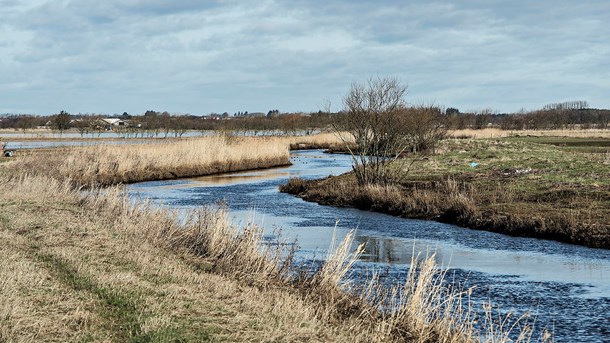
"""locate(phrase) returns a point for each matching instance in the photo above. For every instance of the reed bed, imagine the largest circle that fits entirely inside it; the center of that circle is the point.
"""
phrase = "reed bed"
(104, 165)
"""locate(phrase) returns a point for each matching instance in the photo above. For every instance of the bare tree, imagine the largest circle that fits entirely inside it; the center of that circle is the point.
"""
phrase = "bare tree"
(370, 125)
(378, 128)
(427, 125)
(61, 121)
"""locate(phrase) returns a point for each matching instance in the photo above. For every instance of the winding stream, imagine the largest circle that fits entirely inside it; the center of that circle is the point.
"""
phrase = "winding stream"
(566, 287)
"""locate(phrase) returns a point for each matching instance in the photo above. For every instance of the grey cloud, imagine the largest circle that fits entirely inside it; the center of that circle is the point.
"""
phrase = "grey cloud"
(199, 56)
(163, 7)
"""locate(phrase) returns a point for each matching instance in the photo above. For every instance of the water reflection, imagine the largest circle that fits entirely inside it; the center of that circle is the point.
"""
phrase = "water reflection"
(384, 250)
(527, 266)
(240, 177)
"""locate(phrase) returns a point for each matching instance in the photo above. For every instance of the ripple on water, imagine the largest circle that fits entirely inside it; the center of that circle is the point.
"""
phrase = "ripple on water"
(566, 287)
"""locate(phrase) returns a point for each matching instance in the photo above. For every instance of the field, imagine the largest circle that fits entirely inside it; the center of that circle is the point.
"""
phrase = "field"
(498, 133)
(547, 187)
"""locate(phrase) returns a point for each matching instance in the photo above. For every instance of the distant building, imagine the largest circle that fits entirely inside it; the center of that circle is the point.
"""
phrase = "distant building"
(114, 121)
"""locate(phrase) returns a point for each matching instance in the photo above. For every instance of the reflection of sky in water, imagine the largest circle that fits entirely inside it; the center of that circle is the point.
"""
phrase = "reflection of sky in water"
(60, 143)
(121, 134)
(564, 283)
(94, 135)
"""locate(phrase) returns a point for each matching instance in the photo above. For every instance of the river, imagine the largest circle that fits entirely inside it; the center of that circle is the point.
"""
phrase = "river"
(566, 288)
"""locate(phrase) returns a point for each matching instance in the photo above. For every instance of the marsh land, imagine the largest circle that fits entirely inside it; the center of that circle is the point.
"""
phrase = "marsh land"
(96, 266)
(545, 187)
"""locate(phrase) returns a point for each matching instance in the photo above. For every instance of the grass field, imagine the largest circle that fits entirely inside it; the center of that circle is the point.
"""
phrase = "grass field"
(498, 133)
(546, 187)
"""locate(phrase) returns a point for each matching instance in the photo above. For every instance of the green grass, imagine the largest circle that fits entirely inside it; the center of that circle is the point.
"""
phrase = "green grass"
(571, 144)
(511, 157)
(120, 310)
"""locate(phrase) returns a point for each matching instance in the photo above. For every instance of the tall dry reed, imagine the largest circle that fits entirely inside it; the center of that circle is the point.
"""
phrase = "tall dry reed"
(421, 309)
(112, 164)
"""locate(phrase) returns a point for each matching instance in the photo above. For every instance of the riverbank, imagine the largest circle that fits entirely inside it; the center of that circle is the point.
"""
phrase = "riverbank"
(97, 267)
(549, 188)
(94, 268)
(105, 165)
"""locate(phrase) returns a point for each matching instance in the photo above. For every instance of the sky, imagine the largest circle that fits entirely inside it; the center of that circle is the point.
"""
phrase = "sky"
(198, 57)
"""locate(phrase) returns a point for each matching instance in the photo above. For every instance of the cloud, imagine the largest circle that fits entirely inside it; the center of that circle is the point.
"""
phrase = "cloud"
(204, 56)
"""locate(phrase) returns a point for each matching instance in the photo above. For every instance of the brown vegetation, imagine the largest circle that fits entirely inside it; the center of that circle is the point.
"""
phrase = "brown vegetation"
(93, 266)
(107, 165)
(378, 128)
(103, 165)
(96, 267)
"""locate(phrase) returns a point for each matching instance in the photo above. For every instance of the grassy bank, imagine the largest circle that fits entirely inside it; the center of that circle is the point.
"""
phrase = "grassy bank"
(95, 267)
(551, 188)
(103, 165)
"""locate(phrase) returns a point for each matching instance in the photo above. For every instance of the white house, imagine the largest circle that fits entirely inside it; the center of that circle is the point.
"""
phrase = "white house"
(114, 121)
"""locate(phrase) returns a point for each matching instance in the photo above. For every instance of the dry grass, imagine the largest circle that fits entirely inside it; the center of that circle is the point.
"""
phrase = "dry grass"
(103, 165)
(99, 269)
(319, 141)
(498, 133)
(96, 267)
(562, 214)
(108, 165)
(392, 199)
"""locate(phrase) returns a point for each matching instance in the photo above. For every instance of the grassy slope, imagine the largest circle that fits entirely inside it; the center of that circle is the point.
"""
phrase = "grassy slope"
(554, 188)
(81, 271)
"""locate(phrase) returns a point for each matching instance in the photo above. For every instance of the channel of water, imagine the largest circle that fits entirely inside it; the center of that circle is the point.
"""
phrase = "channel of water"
(565, 287)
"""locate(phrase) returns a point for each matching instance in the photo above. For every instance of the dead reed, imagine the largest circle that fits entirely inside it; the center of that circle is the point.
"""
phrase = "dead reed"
(103, 165)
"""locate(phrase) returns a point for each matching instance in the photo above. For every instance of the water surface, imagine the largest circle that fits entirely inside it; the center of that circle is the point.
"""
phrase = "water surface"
(567, 287)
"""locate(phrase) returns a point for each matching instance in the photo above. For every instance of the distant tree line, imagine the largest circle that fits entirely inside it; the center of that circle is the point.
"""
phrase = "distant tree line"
(163, 124)
(568, 105)
(565, 115)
